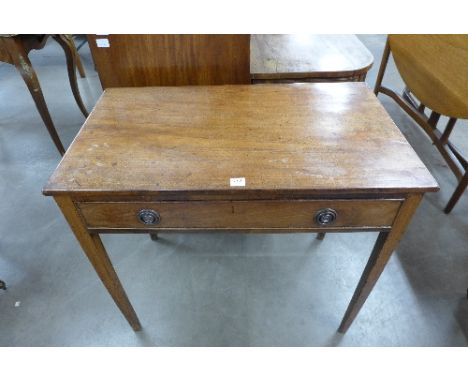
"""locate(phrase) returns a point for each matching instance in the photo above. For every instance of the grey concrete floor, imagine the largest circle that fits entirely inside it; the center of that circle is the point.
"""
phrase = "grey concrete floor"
(213, 289)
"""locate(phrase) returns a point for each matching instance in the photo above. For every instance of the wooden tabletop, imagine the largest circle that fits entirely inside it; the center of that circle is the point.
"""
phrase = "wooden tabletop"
(307, 56)
(289, 138)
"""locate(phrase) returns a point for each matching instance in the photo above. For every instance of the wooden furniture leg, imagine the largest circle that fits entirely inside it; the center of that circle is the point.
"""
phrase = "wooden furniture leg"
(154, 236)
(21, 61)
(79, 64)
(455, 160)
(383, 66)
(457, 194)
(384, 246)
(97, 255)
(320, 235)
(68, 46)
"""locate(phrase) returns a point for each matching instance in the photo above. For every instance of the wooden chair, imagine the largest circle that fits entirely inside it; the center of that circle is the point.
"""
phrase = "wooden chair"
(434, 69)
(14, 49)
(170, 60)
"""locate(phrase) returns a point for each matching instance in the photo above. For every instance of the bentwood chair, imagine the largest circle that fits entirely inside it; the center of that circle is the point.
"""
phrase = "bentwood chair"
(434, 69)
(14, 49)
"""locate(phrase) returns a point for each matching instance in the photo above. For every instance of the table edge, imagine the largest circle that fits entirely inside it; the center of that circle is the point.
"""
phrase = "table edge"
(317, 74)
(374, 192)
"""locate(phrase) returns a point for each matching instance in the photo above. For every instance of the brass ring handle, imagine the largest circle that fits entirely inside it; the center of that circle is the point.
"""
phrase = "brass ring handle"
(327, 216)
(149, 217)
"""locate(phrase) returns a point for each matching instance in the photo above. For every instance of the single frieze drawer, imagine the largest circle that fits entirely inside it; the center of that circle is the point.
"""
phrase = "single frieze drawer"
(271, 214)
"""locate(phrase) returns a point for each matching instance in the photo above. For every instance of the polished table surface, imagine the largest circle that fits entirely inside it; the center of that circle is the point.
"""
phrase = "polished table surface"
(308, 57)
(313, 158)
(296, 138)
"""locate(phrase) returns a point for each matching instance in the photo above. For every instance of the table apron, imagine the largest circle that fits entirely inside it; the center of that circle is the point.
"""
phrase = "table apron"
(250, 216)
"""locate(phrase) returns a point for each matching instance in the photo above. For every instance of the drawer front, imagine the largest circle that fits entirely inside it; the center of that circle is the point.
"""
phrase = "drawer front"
(280, 214)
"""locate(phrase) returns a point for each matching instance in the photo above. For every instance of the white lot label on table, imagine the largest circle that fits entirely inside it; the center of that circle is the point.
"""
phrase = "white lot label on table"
(237, 182)
(102, 43)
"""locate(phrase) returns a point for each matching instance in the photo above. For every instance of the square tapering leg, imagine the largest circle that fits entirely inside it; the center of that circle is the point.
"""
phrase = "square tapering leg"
(97, 255)
(383, 249)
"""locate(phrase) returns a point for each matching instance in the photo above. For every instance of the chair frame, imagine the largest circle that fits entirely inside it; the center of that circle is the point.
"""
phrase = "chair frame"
(17, 49)
(456, 161)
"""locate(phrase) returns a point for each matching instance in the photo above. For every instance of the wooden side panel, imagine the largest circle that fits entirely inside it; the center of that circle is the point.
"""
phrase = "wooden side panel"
(168, 60)
(241, 214)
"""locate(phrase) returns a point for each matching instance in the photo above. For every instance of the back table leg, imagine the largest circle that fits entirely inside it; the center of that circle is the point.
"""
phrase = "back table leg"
(384, 246)
(97, 255)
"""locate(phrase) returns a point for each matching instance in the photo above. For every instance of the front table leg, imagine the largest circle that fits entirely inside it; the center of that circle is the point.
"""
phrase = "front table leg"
(97, 255)
(384, 246)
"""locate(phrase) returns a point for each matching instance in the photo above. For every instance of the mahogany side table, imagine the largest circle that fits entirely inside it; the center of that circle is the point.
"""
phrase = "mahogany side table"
(269, 158)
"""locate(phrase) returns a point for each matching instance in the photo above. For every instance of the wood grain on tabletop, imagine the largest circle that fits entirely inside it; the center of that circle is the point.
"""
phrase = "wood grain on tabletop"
(314, 137)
